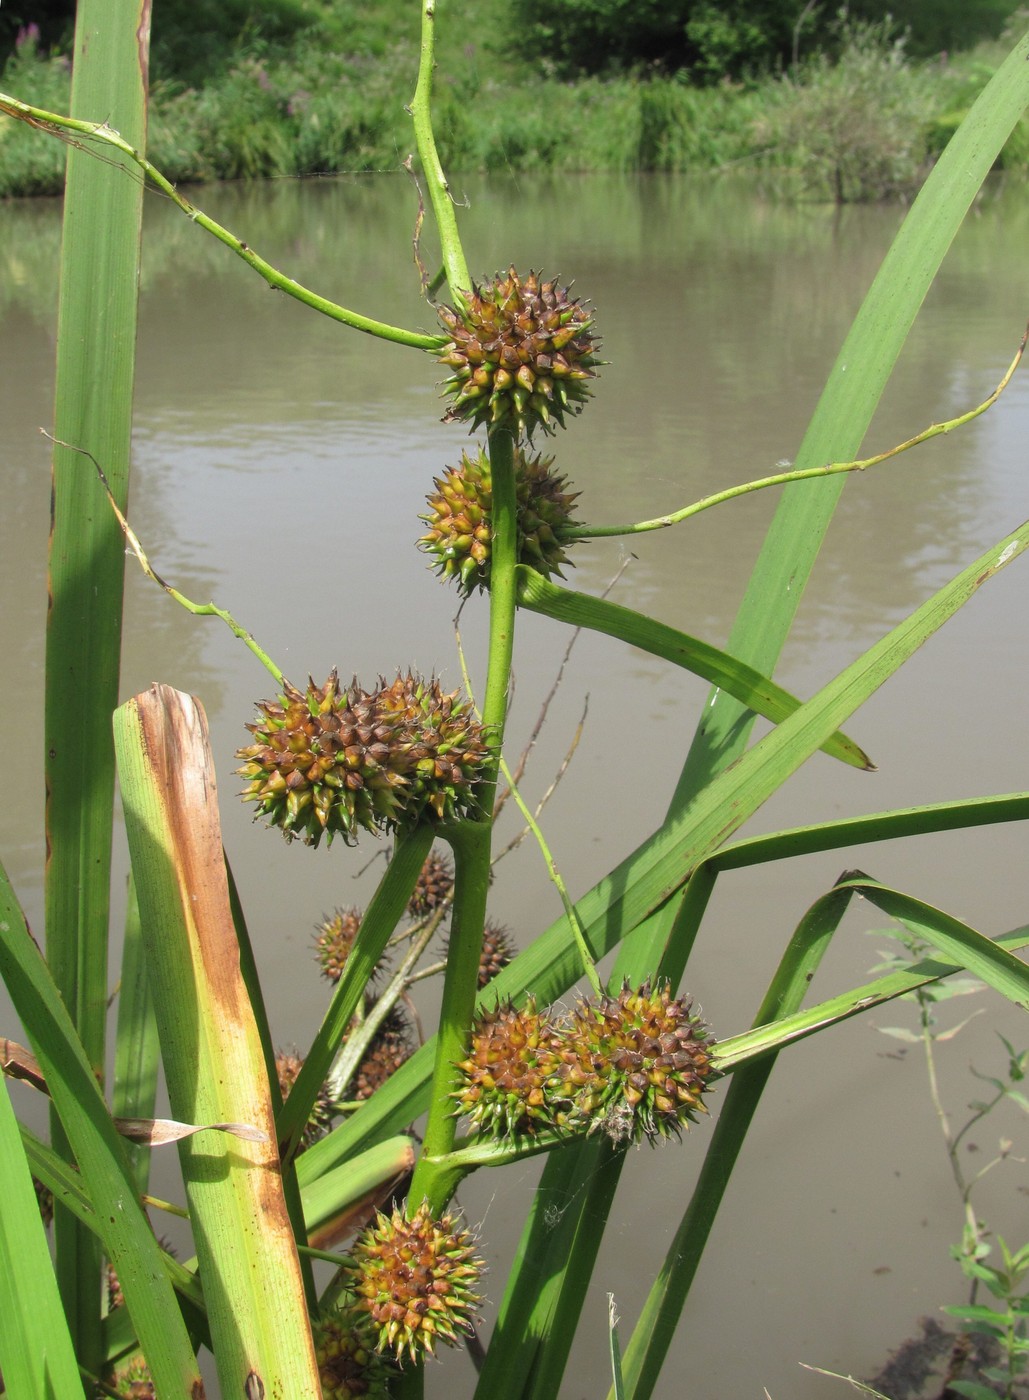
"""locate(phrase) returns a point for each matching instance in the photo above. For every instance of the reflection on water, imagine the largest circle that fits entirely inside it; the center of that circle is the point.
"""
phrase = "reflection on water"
(281, 463)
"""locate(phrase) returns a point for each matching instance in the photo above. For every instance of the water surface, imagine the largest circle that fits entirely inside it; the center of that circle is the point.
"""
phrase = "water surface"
(280, 465)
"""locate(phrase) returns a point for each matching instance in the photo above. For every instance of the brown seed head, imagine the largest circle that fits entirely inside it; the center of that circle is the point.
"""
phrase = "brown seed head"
(635, 1065)
(331, 761)
(521, 353)
(460, 519)
(505, 1077)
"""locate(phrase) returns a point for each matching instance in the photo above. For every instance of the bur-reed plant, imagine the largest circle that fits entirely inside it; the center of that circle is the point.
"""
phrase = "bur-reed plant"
(629, 1061)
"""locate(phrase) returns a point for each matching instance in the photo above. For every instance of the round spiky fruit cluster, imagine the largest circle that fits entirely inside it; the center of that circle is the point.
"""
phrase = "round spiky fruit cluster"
(414, 1282)
(633, 1066)
(332, 760)
(388, 1051)
(505, 1077)
(433, 886)
(348, 1367)
(334, 940)
(131, 1380)
(521, 353)
(288, 1065)
(497, 951)
(460, 519)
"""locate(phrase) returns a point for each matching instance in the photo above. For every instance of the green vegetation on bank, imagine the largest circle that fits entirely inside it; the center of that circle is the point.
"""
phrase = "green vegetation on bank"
(315, 90)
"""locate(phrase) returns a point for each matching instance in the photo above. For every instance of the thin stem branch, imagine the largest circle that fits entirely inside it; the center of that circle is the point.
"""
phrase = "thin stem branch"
(197, 609)
(578, 934)
(58, 125)
(592, 532)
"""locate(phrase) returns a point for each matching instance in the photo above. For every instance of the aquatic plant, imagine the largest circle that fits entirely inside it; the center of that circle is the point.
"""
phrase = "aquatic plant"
(631, 1061)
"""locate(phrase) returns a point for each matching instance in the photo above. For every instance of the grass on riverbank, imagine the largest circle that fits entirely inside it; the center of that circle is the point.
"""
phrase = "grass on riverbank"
(864, 128)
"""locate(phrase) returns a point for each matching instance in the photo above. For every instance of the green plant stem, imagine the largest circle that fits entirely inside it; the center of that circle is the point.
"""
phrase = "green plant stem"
(784, 478)
(100, 132)
(434, 1180)
(439, 190)
(197, 609)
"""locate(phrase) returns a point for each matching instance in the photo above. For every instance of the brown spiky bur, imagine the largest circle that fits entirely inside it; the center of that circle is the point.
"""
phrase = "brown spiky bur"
(633, 1066)
(521, 354)
(330, 761)
(460, 519)
(348, 1367)
(288, 1065)
(334, 942)
(505, 1078)
(497, 951)
(391, 1047)
(433, 887)
(413, 1282)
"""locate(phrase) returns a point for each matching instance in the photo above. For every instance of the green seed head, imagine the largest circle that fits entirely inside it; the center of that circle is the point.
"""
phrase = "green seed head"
(413, 1282)
(460, 519)
(633, 1066)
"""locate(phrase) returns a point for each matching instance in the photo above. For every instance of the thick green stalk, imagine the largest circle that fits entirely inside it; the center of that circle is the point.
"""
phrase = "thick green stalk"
(439, 191)
(471, 843)
(95, 362)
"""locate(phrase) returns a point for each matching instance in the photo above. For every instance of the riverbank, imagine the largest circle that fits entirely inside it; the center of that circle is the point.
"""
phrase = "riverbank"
(864, 128)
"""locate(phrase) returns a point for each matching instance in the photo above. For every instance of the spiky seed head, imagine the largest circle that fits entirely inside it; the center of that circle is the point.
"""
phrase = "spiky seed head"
(334, 940)
(521, 354)
(460, 519)
(433, 886)
(414, 1282)
(633, 1066)
(348, 1367)
(288, 1065)
(393, 1044)
(45, 1201)
(330, 761)
(504, 1080)
(131, 1380)
(497, 951)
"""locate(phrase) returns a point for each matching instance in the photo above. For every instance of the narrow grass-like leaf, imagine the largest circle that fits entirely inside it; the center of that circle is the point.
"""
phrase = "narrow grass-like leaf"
(384, 912)
(660, 866)
(213, 1058)
(96, 337)
(737, 679)
(850, 397)
(128, 1240)
(982, 957)
(137, 1054)
(37, 1358)
(752, 1057)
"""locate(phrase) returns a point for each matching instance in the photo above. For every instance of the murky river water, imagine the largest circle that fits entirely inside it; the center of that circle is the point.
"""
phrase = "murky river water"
(280, 466)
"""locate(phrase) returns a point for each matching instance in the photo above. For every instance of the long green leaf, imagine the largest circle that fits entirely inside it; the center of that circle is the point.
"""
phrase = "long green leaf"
(736, 678)
(212, 1053)
(128, 1240)
(655, 870)
(96, 338)
(850, 398)
(37, 1359)
(137, 1055)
